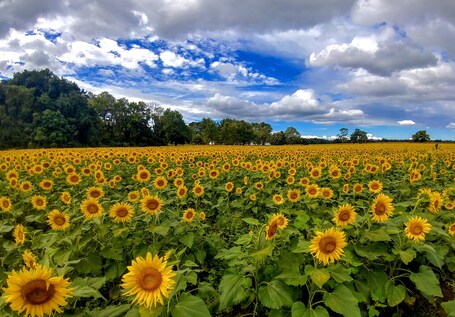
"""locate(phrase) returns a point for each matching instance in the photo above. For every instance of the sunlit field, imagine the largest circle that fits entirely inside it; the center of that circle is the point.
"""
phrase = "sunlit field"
(352, 230)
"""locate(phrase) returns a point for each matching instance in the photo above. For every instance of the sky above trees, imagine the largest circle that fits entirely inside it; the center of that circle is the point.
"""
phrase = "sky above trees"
(386, 67)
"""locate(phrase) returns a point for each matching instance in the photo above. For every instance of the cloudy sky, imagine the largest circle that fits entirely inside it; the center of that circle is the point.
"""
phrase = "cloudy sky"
(384, 66)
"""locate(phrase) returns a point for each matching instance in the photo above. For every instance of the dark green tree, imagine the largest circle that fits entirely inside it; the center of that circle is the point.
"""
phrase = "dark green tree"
(421, 136)
(278, 138)
(262, 132)
(343, 135)
(292, 135)
(175, 129)
(359, 136)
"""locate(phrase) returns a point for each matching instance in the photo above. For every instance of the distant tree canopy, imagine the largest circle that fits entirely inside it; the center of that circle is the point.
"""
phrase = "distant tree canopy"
(40, 109)
(421, 136)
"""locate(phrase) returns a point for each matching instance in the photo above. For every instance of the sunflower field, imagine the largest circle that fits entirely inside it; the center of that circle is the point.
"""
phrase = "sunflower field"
(322, 230)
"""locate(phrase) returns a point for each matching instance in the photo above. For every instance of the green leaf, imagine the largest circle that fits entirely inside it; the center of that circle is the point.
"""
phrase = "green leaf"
(232, 289)
(188, 239)
(302, 246)
(317, 312)
(162, 230)
(426, 281)
(339, 273)
(114, 254)
(275, 295)
(395, 293)
(91, 264)
(88, 287)
(301, 221)
(191, 277)
(298, 309)
(190, 305)
(262, 253)
(449, 308)
(251, 221)
(110, 311)
(342, 301)
(407, 256)
(229, 254)
(377, 235)
(244, 239)
(318, 276)
(291, 278)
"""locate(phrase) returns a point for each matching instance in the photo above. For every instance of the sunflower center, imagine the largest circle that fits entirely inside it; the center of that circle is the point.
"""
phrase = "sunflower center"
(143, 175)
(312, 191)
(272, 229)
(5, 203)
(189, 215)
(95, 194)
(344, 215)
(92, 209)
(416, 229)
(327, 245)
(150, 279)
(36, 292)
(74, 179)
(380, 209)
(160, 183)
(152, 204)
(122, 212)
(59, 220)
(294, 196)
(40, 202)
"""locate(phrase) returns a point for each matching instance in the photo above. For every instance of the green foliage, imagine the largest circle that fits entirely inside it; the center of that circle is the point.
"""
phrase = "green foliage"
(421, 136)
(359, 136)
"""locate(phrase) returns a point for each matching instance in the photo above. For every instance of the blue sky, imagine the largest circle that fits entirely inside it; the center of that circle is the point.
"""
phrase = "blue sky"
(386, 67)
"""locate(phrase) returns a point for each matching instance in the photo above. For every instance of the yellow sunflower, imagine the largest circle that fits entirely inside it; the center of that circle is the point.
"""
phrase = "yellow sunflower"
(94, 192)
(149, 280)
(26, 186)
(151, 205)
(65, 197)
(382, 208)
(39, 202)
(229, 186)
(280, 220)
(326, 193)
(259, 186)
(198, 190)
(452, 229)
(253, 197)
(327, 247)
(36, 292)
(278, 199)
(29, 259)
(73, 179)
(19, 234)
(143, 176)
(345, 215)
(5, 203)
(46, 184)
(304, 181)
(312, 190)
(121, 212)
(181, 192)
(293, 195)
(271, 230)
(133, 196)
(91, 208)
(58, 220)
(179, 182)
(188, 215)
(416, 228)
(202, 216)
(375, 186)
(315, 172)
(436, 202)
(160, 182)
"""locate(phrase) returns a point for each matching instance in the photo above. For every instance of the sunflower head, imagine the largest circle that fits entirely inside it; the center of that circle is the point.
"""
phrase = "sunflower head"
(345, 215)
(416, 228)
(91, 208)
(39, 202)
(121, 212)
(293, 195)
(149, 280)
(151, 205)
(181, 192)
(327, 246)
(133, 195)
(375, 186)
(280, 220)
(198, 190)
(451, 229)
(58, 220)
(278, 199)
(19, 234)
(5, 203)
(188, 215)
(65, 197)
(312, 190)
(160, 182)
(382, 208)
(271, 230)
(326, 193)
(229, 186)
(95, 192)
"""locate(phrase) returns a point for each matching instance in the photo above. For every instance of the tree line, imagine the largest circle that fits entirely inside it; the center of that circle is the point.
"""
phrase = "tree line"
(40, 109)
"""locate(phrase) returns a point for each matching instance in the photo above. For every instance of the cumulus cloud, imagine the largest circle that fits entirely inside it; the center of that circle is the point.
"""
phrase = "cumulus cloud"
(406, 122)
(170, 59)
(451, 125)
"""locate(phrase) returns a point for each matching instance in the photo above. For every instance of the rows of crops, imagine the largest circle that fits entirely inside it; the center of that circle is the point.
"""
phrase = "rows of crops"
(355, 230)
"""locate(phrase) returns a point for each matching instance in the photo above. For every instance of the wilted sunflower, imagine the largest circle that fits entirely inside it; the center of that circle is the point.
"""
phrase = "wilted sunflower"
(29, 259)
(198, 190)
(382, 208)
(149, 280)
(36, 292)
(91, 208)
(94, 192)
(5, 203)
(58, 220)
(151, 205)
(188, 215)
(345, 215)
(271, 230)
(327, 247)
(19, 234)
(39, 202)
(416, 228)
(293, 195)
(121, 212)
(375, 186)
(160, 182)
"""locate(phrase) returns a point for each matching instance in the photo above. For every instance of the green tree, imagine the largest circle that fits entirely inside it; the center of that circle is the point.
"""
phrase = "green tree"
(262, 132)
(175, 129)
(343, 135)
(292, 135)
(421, 136)
(51, 129)
(359, 136)
(278, 138)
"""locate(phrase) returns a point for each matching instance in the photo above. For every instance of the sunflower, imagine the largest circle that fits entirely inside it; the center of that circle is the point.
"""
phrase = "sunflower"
(358, 188)
(36, 292)
(160, 182)
(293, 195)
(345, 215)
(229, 186)
(39, 202)
(26, 186)
(73, 179)
(382, 208)
(145, 192)
(278, 199)
(181, 192)
(179, 182)
(253, 197)
(375, 186)
(149, 280)
(346, 188)
(19, 234)
(259, 186)
(238, 191)
(5, 203)
(65, 197)
(452, 229)
(198, 190)
(436, 202)
(133, 196)
(304, 181)
(213, 174)
(58, 220)
(91, 208)
(151, 205)
(94, 192)
(416, 228)
(312, 190)
(327, 246)
(271, 230)
(143, 176)
(46, 184)
(121, 212)
(29, 259)
(280, 220)
(202, 216)
(326, 193)
(188, 215)
(415, 176)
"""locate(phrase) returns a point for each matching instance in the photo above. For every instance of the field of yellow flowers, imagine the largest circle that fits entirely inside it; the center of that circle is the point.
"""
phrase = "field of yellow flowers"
(351, 230)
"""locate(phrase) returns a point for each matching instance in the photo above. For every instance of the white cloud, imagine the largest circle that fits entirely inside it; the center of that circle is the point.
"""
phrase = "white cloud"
(170, 59)
(451, 125)
(406, 122)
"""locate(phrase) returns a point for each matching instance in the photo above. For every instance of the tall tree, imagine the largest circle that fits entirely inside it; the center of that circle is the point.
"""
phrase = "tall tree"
(421, 136)
(343, 135)
(175, 129)
(292, 135)
(359, 136)
(262, 132)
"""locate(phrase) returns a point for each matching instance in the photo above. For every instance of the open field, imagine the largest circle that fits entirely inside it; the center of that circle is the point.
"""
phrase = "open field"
(354, 230)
